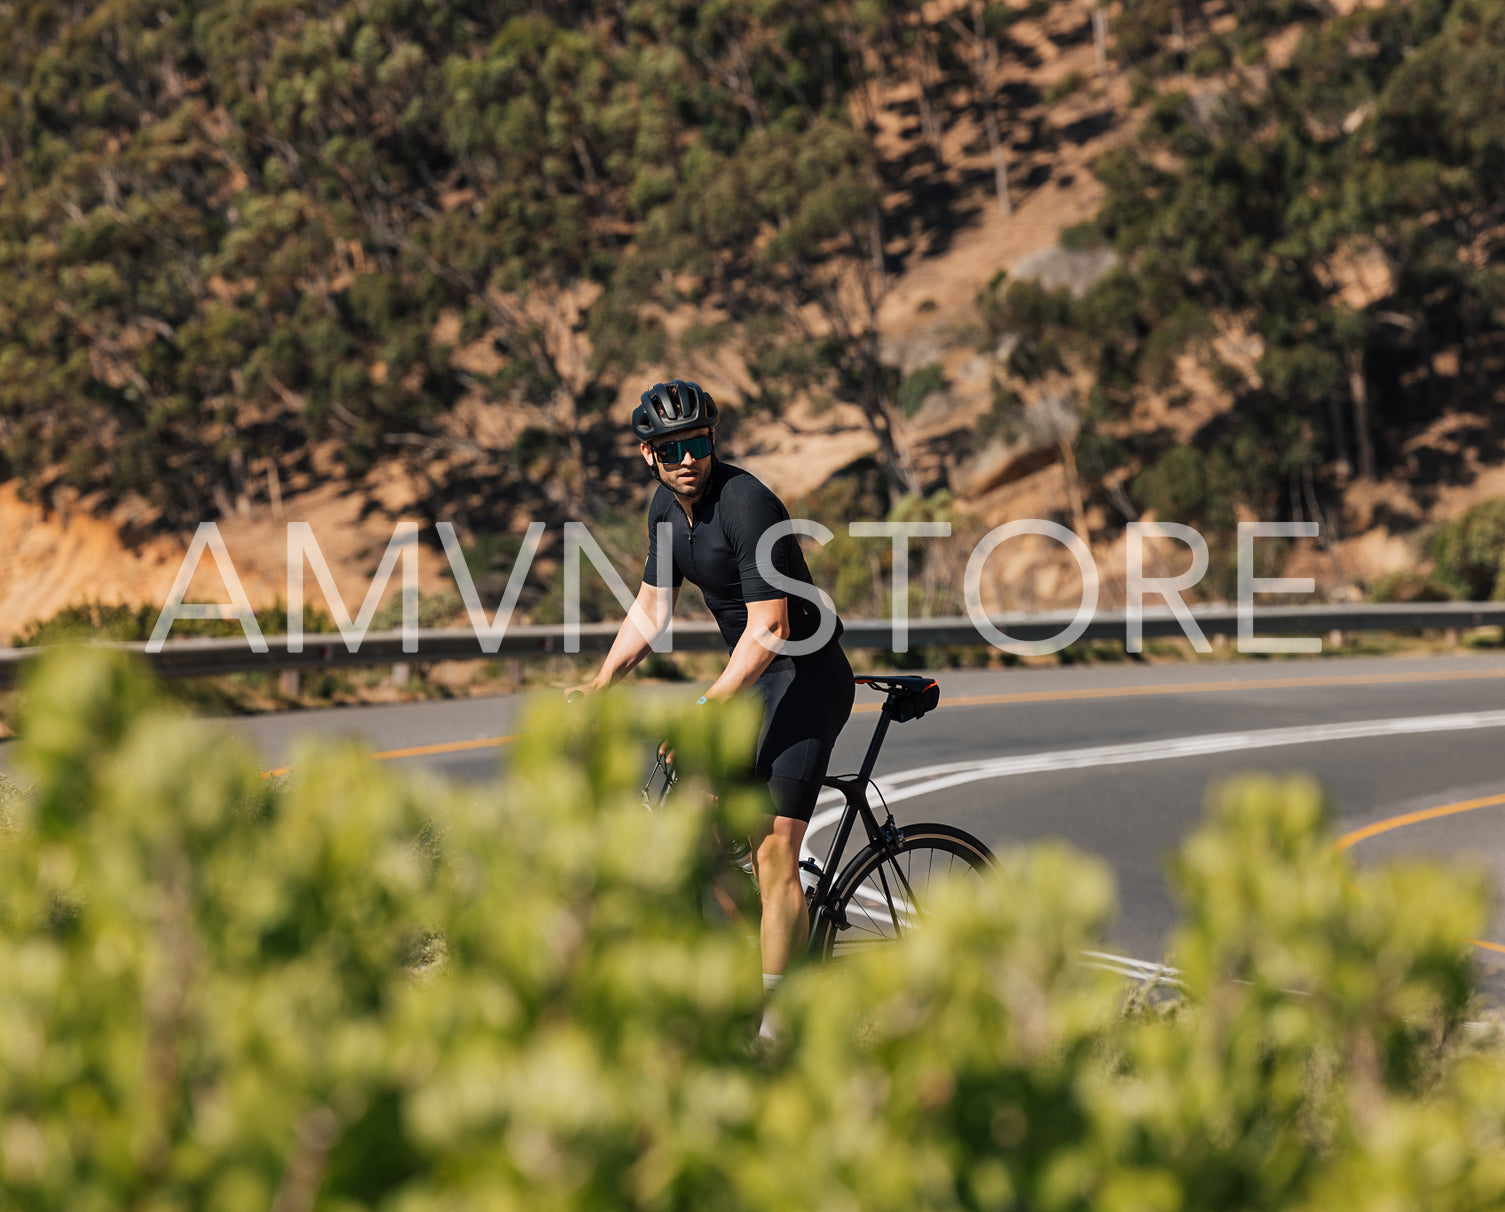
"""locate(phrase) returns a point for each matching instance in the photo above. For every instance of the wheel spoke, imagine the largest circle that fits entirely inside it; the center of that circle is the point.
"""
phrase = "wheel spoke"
(885, 893)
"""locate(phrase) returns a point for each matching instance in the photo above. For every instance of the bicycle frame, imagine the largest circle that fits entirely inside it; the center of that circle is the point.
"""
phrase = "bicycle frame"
(853, 788)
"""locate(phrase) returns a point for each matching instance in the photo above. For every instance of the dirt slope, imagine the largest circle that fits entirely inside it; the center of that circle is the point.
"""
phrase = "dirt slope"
(57, 558)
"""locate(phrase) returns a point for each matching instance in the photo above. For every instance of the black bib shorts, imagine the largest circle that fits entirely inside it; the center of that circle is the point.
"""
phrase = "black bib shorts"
(806, 702)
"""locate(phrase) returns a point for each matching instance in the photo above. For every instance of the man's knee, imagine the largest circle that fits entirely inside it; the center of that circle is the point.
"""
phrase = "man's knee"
(776, 856)
(779, 849)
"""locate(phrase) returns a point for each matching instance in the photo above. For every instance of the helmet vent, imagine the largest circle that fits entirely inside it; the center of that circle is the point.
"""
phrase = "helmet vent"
(669, 408)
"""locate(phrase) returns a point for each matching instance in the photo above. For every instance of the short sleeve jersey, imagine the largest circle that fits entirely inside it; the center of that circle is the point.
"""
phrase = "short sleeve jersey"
(718, 554)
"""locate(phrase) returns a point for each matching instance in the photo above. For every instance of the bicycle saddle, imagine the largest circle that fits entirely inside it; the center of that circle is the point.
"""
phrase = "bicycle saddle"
(909, 696)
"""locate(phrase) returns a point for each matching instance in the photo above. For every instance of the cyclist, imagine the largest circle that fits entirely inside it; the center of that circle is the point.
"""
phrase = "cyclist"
(718, 513)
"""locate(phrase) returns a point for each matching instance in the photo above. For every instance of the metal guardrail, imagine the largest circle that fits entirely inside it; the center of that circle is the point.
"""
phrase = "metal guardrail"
(206, 658)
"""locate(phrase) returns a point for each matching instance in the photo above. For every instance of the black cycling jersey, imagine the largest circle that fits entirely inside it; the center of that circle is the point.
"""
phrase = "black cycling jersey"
(718, 554)
(806, 699)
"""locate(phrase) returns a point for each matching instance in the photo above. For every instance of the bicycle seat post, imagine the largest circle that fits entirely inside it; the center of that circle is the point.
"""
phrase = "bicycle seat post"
(885, 716)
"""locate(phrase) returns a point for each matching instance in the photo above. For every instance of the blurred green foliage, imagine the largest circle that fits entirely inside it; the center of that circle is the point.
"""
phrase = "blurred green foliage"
(97, 621)
(1410, 587)
(858, 572)
(1039, 323)
(1470, 553)
(348, 989)
(919, 384)
(1080, 236)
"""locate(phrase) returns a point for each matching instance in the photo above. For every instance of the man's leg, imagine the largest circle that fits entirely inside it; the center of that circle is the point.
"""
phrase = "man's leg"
(785, 926)
(799, 728)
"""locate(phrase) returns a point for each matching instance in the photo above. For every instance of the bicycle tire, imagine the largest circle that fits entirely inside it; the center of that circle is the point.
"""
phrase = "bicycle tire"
(869, 904)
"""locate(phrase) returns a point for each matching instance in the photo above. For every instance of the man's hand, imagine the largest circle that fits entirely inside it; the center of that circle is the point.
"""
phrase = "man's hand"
(631, 644)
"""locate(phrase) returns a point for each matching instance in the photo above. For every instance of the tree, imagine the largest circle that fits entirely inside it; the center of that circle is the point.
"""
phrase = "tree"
(982, 60)
(790, 231)
(239, 235)
(1332, 204)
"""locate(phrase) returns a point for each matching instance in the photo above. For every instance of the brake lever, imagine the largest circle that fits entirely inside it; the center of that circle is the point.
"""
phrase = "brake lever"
(662, 766)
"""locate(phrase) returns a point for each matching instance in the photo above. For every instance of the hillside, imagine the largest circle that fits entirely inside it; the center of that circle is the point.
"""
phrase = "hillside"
(1245, 264)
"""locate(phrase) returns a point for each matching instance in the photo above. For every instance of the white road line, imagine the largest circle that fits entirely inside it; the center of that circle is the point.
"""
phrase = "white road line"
(922, 780)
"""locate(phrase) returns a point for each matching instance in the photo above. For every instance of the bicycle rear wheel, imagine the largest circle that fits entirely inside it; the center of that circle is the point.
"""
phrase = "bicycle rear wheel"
(885, 892)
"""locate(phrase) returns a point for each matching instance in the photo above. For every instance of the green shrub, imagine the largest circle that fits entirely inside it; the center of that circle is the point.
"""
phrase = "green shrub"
(858, 572)
(1058, 90)
(919, 384)
(1005, 414)
(1208, 59)
(87, 621)
(219, 989)
(346, 989)
(1081, 236)
(1024, 307)
(1409, 587)
(1190, 487)
(1470, 553)
(91, 621)
(1040, 319)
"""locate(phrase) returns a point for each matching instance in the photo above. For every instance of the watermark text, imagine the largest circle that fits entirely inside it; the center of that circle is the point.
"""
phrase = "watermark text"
(650, 610)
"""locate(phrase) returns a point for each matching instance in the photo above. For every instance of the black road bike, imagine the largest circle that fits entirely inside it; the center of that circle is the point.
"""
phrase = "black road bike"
(882, 893)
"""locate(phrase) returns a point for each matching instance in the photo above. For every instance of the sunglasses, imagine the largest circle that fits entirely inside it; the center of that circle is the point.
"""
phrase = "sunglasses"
(674, 452)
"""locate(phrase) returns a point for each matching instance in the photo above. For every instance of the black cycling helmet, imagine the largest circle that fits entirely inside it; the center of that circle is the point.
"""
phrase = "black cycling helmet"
(671, 408)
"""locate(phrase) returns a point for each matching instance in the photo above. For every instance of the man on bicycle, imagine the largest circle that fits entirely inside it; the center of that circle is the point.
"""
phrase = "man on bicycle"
(718, 514)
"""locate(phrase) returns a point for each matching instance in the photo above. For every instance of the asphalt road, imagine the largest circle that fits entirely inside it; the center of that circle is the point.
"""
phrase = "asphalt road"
(1114, 759)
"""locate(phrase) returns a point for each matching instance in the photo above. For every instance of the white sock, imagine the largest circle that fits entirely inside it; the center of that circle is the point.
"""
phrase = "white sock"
(769, 1029)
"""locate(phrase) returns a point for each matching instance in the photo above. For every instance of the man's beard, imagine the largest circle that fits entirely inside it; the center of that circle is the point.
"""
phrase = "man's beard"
(690, 498)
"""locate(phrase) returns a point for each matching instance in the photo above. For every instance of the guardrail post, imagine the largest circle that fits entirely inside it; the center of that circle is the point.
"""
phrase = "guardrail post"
(401, 673)
(288, 683)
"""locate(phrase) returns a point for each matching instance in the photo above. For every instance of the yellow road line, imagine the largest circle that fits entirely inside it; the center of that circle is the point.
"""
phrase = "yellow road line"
(485, 742)
(1354, 837)
(386, 755)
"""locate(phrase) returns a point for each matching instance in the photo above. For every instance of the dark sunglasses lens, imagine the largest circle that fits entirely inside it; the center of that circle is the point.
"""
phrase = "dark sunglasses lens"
(674, 452)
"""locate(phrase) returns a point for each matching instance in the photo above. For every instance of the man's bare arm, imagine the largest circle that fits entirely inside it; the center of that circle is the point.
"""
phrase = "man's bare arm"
(648, 617)
(767, 629)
